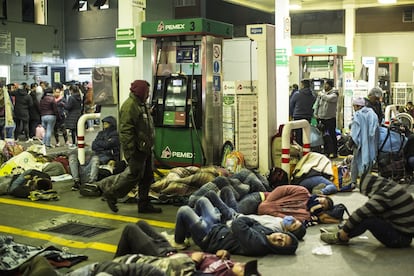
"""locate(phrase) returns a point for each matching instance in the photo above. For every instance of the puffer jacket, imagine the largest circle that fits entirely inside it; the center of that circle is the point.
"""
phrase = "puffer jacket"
(23, 104)
(106, 144)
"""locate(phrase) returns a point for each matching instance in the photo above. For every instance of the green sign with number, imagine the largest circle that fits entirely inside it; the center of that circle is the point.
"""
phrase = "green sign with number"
(323, 50)
(186, 26)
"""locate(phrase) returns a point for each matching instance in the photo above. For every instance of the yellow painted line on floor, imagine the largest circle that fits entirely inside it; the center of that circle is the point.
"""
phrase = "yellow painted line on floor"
(60, 241)
(82, 212)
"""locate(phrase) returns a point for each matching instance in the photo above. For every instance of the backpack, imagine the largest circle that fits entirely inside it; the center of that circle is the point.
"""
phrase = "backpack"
(334, 215)
(234, 161)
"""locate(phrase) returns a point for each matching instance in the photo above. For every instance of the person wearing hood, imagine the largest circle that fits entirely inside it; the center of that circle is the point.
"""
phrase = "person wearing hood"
(136, 133)
(302, 105)
(245, 236)
(388, 214)
(106, 149)
(278, 224)
(364, 139)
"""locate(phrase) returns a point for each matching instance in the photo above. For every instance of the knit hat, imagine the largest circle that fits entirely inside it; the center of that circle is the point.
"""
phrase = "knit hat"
(358, 101)
(140, 88)
(376, 91)
(250, 269)
(300, 232)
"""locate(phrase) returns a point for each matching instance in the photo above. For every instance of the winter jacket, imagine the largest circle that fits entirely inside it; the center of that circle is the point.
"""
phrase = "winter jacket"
(60, 103)
(388, 201)
(287, 200)
(364, 134)
(23, 103)
(326, 104)
(302, 104)
(48, 105)
(106, 144)
(74, 109)
(34, 112)
(245, 237)
(136, 130)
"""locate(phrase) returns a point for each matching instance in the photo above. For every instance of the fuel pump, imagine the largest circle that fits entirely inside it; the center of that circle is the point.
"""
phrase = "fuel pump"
(187, 94)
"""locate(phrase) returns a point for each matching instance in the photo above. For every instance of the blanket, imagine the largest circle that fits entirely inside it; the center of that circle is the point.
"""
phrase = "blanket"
(183, 181)
(14, 254)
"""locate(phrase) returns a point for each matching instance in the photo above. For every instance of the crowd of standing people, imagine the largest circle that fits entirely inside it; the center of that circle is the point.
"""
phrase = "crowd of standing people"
(40, 111)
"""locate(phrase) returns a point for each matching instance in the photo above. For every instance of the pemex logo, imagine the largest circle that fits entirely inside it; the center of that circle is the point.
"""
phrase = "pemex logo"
(166, 153)
(161, 27)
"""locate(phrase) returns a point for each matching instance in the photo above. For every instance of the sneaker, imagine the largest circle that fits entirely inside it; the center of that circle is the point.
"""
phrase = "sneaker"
(57, 145)
(332, 238)
(72, 146)
(30, 140)
(329, 229)
(76, 186)
(90, 189)
(148, 208)
(179, 246)
(111, 201)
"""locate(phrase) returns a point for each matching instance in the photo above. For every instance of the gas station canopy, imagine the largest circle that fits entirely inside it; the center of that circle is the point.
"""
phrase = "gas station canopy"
(187, 26)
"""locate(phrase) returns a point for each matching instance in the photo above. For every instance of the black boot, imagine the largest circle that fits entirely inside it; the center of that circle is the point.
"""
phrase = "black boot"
(111, 201)
(146, 208)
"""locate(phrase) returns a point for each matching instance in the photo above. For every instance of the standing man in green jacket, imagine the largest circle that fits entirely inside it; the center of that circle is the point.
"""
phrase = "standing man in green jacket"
(136, 133)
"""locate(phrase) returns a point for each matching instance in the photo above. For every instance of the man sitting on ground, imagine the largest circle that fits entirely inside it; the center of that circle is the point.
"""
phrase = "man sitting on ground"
(106, 151)
(388, 215)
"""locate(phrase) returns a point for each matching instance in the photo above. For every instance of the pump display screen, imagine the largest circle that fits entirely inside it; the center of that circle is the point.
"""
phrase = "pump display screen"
(175, 101)
(177, 82)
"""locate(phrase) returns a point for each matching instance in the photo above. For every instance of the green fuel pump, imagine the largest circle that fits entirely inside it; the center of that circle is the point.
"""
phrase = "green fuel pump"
(187, 90)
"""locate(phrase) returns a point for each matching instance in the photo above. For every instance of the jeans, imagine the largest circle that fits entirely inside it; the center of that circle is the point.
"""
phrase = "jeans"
(48, 122)
(141, 238)
(312, 181)
(91, 168)
(196, 222)
(247, 205)
(382, 231)
(226, 212)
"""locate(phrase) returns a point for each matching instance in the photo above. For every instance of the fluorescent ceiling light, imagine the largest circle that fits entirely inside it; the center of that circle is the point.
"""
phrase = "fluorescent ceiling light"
(387, 1)
(295, 7)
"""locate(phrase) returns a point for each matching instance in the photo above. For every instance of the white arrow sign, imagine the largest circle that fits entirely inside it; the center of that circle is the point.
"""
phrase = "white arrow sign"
(130, 45)
(125, 32)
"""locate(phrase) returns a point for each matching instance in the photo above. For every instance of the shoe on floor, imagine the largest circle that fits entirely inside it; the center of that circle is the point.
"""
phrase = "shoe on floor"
(76, 186)
(329, 229)
(90, 189)
(148, 208)
(332, 238)
(111, 201)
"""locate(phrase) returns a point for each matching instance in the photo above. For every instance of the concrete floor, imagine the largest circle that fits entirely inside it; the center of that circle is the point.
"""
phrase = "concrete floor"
(25, 220)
